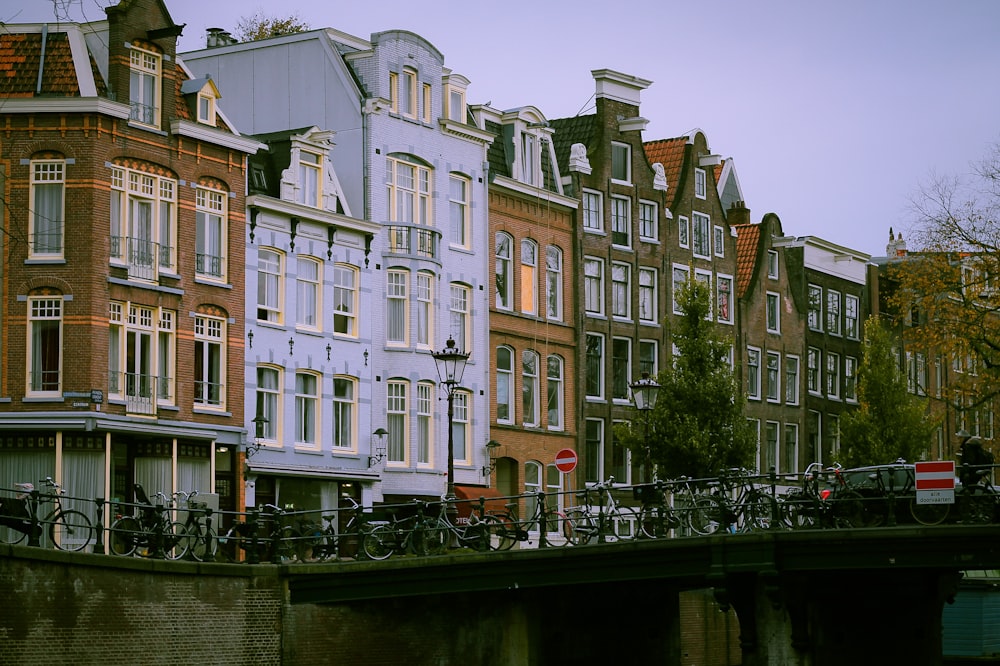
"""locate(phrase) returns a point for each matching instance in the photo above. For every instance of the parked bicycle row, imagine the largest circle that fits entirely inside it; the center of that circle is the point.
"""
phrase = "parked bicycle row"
(178, 525)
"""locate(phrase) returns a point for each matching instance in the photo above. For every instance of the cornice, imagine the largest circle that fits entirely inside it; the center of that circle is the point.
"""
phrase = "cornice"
(212, 135)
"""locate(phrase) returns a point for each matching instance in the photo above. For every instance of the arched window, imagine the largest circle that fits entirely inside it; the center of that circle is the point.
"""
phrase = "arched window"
(504, 272)
(529, 388)
(553, 283)
(529, 277)
(554, 393)
(505, 385)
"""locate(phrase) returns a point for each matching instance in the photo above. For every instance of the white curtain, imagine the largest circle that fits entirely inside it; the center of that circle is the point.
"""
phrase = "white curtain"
(83, 478)
(154, 476)
(25, 467)
(194, 474)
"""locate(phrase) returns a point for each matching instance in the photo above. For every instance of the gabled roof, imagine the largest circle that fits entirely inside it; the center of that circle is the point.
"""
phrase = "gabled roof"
(669, 153)
(747, 243)
(29, 49)
(578, 129)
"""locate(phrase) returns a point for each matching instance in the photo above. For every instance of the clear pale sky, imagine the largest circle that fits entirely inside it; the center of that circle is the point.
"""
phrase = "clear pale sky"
(834, 112)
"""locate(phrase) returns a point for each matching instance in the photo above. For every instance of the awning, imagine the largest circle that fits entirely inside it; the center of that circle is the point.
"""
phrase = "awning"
(310, 471)
(495, 500)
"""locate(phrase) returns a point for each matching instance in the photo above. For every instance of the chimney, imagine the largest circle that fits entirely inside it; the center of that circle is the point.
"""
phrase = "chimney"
(212, 37)
(738, 213)
(896, 246)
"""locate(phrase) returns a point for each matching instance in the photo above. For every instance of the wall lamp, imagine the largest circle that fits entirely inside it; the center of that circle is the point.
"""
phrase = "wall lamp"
(378, 442)
(258, 437)
(492, 447)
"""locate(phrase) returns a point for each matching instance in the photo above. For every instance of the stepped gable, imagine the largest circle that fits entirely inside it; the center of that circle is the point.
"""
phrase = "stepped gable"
(578, 129)
(747, 240)
(669, 153)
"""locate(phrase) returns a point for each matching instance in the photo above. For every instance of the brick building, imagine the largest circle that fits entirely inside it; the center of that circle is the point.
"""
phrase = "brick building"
(123, 283)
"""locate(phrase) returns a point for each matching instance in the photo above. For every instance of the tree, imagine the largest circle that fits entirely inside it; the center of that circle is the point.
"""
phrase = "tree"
(947, 291)
(697, 426)
(889, 423)
(262, 26)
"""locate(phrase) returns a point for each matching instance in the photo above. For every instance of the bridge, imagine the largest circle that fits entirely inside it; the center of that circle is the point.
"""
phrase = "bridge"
(801, 597)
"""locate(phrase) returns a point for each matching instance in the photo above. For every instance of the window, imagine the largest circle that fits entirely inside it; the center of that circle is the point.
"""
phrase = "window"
(792, 380)
(140, 356)
(460, 320)
(851, 328)
(209, 361)
(593, 448)
(397, 322)
(832, 375)
(621, 162)
(724, 291)
(621, 300)
(772, 264)
(458, 209)
(719, 242)
(681, 277)
(270, 273)
(461, 410)
(699, 183)
(504, 284)
(791, 449)
(211, 219)
(48, 184)
(593, 285)
(773, 377)
(455, 98)
(529, 388)
(505, 385)
(425, 422)
(529, 159)
(812, 370)
(310, 190)
(850, 379)
(593, 211)
(769, 455)
(397, 421)
(833, 312)
(409, 191)
(345, 299)
(595, 366)
(683, 232)
(705, 278)
(206, 108)
(268, 402)
(553, 283)
(621, 222)
(426, 109)
(307, 287)
(753, 373)
(529, 277)
(306, 414)
(45, 318)
(345, 412)
(144, 87)
(647, 295)
(621, 368)
(554, 390)
(773, 312)
(425, 309)
(647, 357)
(815, 308)
(649, 230)
(143, 222)
(833, 434)
(701, 240)
(403, 92)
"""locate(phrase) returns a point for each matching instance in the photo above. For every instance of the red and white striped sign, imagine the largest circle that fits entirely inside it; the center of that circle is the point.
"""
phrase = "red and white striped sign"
(935, 475)
(566, 460)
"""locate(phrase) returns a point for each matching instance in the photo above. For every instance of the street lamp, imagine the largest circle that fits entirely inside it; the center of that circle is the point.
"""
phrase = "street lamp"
(259, 422)
(644, 394)
(491, 460)
(379, 442)
(450, 363)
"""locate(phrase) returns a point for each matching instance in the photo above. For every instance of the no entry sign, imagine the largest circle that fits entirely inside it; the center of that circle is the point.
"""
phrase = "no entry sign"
(566, 460)
(935, 481)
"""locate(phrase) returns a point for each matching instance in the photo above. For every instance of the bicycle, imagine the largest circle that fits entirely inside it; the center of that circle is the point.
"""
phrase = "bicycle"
(414, 534)
(752, 508)
(612, 522)
(68, 529)
(329, 542)
(197, 540)
(478, 533)
(265, 538)
(657, 519)
(510, 529)
(150, 532)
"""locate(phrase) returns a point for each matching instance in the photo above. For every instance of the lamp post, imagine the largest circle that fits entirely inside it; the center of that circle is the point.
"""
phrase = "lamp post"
(450, 363)
(644, 394)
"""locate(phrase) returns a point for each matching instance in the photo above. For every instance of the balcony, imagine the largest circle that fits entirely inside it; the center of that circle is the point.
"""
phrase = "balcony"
(141, 391)
(414, 240)
(142, 257)
(208, 265)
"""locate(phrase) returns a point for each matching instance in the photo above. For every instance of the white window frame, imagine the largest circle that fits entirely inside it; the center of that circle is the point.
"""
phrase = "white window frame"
(814, 374)
(212, 234)
(460, 314)
(459, 210)
(676, 271)
(344, 421)
(773, 312)
(397, 315)
(397, 422)
(649, 228)
(345, 300)
(408, 187)
(833, 312)
(505, 384)
(652, 365)
(719, 241)
(307, 410)
(504, 270)
(701, 235)
(209, 335)
(724, 298)
(553, 283)
(814, 307)
(403, 92)
(425, 424)
(850, 379)
(270, 285)
(48, 184)
(700, 184)
(308, 293)
(772, 264)
(141, 354)
(268, 402)
(683, 232)
(621, 368)
(554, 393)
(621, 160)
(648, 301)
(852, 328)
(832, 375)
(530, 383)
(792, 366)
(592, 210)
(145, 86)
(621, 221)
(705, 277)
(528, 300)
(44, 312)
(773, 376)
(461, 427)
(594, 366)
(621, 291)
(593, 286)
(309, 191)
(753, 373)
(425, 309)
(143, 223)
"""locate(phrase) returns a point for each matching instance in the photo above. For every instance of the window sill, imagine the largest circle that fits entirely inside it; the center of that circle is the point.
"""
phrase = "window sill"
(221, 411)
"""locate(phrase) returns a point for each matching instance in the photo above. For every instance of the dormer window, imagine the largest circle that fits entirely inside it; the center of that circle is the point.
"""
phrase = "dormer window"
(206, 108)
(621, 163)
(455, 86)
(529, 158)
(144, 87)
(310, 178)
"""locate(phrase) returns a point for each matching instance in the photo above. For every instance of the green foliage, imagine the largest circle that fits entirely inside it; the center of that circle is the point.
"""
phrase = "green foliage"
(889, 423)
(262, 26)
(697, 426)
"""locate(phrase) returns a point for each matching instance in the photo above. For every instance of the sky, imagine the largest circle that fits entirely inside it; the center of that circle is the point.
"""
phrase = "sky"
(835, 113)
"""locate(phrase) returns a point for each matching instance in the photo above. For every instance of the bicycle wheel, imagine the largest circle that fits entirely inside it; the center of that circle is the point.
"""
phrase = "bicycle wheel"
(200, 542)
(71, 530)
(175, 545)
(656, 521)
(9, 535)
(477, 534)
(928, 514)
(849, 509)
(431, 537)
(705, 515)
(325, 547)
(580, 527)
(622, 524)
(758, 512)
(502, 530)
(379, 542)
(124, 534)
(799, 513)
